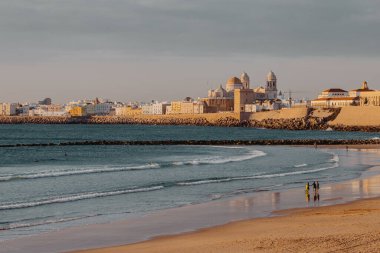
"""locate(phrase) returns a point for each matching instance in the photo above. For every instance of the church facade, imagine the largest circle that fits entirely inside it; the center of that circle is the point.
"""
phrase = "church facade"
(238, 94)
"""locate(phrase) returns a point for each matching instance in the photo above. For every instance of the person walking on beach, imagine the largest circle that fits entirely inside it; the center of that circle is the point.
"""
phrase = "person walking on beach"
(314, 186)
(307, 195)
(317, 186)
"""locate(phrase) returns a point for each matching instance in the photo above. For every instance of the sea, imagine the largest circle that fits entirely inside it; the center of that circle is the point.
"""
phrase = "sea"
(47, 188)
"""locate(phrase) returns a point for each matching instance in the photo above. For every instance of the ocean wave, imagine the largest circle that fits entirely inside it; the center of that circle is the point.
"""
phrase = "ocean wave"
(40, 223)
(300, 165)
(206, 181)
(60, 173)
(76, 197)
(335, 158)
(221, 160)
(229, 179)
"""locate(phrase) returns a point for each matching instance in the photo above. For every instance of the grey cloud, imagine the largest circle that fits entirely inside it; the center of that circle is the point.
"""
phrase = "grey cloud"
(294, 28)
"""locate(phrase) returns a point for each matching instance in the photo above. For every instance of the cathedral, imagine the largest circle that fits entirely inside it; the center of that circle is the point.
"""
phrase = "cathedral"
(269, 92)
(237, 93)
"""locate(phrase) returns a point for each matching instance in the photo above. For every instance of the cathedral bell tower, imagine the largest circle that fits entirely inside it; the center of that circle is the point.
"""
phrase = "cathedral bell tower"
(271, 87)
(245, 80)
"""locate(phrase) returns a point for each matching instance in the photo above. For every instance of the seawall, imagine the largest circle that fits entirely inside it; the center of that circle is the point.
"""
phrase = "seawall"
(341, 119)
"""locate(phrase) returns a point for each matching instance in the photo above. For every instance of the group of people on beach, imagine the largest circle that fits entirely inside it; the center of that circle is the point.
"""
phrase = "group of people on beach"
(315, 185)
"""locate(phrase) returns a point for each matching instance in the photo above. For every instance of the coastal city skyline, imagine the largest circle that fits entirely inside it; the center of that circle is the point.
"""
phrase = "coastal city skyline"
(189, 126)
(144, 50)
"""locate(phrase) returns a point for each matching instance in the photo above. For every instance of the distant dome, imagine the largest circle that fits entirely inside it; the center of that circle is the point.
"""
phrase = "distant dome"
(233, 83)
(271, 76)
(234, 80)
(220, 89)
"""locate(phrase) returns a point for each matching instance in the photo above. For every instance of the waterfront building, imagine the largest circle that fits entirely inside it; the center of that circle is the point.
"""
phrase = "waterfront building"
(337, 97)
(159, 108)
(334, 102)
(147, 109)
(8, 109)
(127, 111)
(370, 98)
(77, 111)
(333, 93)
(47, 111)
(358, 92)
(186, 107)
(103, 108)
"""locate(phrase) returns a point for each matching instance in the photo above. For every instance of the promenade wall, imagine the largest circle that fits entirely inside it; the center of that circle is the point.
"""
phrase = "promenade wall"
(361, 118)
(358, 116)
(291, 113)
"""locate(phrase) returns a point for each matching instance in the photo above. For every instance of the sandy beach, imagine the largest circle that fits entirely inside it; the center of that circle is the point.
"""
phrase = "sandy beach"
(350, 227)
(353, 227)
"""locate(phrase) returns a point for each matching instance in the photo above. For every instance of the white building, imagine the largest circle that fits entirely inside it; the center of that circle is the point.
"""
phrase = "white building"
(333, 93)
(147, 109)
(45, 111)
(103, 109)
(159, 108)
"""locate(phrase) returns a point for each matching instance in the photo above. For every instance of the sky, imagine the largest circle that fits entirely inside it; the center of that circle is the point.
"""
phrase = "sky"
(140, 50)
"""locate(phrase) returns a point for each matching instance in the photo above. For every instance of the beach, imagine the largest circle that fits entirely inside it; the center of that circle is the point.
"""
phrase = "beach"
(348, 227)
(353, 227)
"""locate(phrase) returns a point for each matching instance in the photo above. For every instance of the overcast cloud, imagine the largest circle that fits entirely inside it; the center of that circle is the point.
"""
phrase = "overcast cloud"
(192, 32)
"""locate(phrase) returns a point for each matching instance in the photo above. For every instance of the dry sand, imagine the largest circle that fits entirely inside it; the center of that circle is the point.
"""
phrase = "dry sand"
(353, 227)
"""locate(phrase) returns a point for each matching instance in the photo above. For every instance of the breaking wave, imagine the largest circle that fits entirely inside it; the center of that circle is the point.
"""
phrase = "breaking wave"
(261, 176)
(60, 173)
(221, 160)
(76, 197)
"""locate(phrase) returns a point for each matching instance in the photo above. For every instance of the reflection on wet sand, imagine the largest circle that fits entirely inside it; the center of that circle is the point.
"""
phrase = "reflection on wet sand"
(328, 194)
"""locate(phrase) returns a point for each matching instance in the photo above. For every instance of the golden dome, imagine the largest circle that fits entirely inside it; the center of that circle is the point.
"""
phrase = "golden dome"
(234, 80)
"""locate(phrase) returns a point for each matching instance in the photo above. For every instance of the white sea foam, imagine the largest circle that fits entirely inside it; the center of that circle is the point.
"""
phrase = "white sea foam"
(335, 158)
(222, 180)
(40, 223)
(59, 173)
(300, 165)
(207, 181)
(221, 160)
(76, 197)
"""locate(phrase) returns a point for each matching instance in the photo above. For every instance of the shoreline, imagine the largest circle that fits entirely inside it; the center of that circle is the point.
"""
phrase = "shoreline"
(344, 227)
(295, 230)
(242, 208)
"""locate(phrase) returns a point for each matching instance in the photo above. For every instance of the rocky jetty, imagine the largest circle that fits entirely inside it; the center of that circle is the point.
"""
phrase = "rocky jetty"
(202, 142)
(35, 120)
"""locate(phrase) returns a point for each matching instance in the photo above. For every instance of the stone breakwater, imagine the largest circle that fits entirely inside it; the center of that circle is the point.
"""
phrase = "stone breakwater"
(200, 142)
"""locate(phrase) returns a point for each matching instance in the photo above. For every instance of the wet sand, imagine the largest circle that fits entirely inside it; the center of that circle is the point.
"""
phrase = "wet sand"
(318, 229)
(353, 227)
